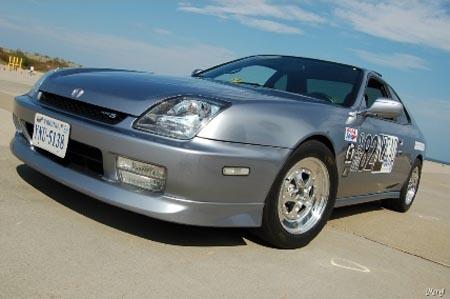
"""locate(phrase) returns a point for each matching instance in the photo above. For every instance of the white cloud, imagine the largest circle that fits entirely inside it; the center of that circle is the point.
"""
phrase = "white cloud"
(268, 25)
(143, 27)
(419, 22)
(400, 61)
(258, 14)
(425, 23)
(254, 8)
(116, 51)
(10, 24)
(162, 31)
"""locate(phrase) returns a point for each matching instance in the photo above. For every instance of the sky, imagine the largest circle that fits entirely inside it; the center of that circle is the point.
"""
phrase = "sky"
(408, 42)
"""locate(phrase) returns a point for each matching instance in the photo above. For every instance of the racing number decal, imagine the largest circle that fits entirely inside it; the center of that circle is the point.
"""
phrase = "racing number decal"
(369, 148)
(374, 153)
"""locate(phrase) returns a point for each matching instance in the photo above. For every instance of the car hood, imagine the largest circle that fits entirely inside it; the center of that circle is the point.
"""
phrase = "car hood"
(134, 92)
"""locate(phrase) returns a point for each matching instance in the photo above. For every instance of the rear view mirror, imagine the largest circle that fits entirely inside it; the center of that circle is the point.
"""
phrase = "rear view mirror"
(385, 108)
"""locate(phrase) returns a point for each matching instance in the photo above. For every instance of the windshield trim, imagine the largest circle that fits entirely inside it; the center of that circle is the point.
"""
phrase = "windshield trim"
(274, 55)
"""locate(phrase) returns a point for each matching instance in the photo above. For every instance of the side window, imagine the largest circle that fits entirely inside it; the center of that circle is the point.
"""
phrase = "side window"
(404, 117)
(333, 90)
(281, 83)
(375, 90)
(256, 74)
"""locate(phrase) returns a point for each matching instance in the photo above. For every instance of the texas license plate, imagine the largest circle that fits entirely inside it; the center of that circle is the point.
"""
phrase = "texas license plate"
(51, 134)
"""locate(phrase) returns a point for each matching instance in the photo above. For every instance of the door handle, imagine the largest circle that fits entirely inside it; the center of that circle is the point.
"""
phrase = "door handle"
(400, 143)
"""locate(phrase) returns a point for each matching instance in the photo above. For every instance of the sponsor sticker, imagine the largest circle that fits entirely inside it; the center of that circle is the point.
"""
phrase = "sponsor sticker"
(371, 153)
(351, 134)
(387, 156)
(419, 146)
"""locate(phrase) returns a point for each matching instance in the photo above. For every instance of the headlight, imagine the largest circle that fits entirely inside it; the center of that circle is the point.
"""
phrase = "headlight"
(35, 89)
(180, 117)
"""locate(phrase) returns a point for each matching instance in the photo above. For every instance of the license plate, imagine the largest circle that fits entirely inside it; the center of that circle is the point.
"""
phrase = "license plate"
(51, 134)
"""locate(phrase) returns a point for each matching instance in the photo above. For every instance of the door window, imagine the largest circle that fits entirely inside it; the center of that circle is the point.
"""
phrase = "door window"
(375, 90)
(281, 83)
(335, 91)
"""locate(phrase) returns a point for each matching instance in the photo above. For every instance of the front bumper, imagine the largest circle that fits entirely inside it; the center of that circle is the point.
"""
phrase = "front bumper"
(196, 192)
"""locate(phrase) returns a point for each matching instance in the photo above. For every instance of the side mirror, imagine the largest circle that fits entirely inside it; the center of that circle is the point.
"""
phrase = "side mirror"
(386, 108)
(195, 72)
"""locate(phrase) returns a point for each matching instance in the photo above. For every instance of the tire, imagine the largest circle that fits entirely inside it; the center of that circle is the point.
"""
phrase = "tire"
(279, 225)
(404, 202)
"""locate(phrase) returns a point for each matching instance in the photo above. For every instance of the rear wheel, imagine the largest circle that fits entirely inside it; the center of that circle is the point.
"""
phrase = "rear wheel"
(302, 198)
(408, 192)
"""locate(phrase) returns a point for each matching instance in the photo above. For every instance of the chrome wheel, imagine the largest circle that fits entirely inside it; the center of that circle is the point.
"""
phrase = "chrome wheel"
(412, 186)
(303, 195)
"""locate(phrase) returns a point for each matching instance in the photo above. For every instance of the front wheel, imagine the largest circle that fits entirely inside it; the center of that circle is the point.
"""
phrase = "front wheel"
(302, 197)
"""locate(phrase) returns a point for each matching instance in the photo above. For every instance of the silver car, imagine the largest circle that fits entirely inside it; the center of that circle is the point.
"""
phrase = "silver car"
(270, 142)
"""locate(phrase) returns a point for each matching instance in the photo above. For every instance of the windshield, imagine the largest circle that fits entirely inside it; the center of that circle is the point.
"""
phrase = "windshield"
(323, 80)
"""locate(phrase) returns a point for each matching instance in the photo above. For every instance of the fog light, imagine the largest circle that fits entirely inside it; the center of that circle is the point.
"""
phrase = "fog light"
(236, 171)
(143, 175)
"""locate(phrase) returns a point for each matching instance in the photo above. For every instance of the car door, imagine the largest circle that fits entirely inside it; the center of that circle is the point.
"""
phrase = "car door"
(406, 131)
(373, 161)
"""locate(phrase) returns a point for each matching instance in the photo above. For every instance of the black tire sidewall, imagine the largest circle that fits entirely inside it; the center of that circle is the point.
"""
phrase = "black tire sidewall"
(273, 231)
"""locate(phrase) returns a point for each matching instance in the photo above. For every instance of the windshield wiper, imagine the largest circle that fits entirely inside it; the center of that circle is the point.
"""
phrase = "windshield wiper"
(247, 83)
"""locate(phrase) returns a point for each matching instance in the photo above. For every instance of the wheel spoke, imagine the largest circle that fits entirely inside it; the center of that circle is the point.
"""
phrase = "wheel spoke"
(294, 212)
(289, 192)
(309, 183)
(308, 203)
(299, 180)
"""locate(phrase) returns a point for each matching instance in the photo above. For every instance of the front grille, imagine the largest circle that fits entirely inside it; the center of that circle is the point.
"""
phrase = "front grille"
(79, 156)
(82, 109)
